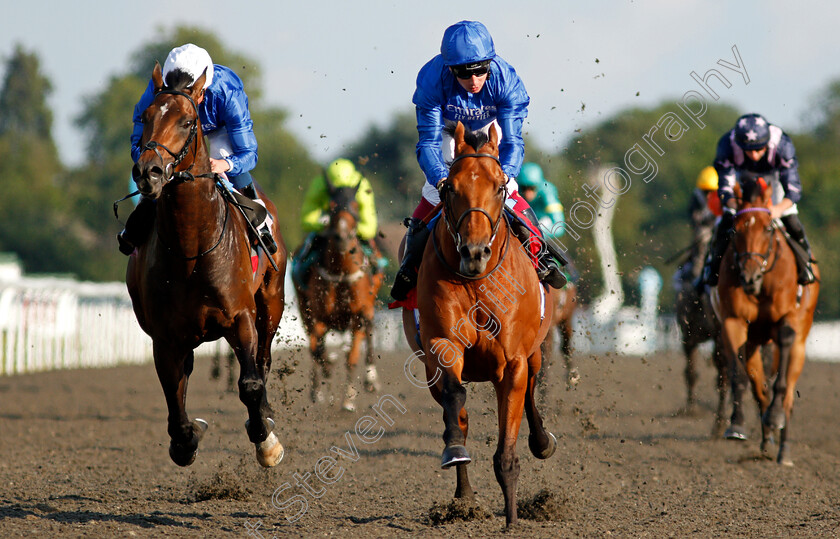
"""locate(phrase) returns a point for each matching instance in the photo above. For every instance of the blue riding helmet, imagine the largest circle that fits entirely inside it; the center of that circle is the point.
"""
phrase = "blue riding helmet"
(466, 42)
(752, 132)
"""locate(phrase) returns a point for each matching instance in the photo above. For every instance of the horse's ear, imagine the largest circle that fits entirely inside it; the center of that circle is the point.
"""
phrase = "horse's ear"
(494, 138)
(197, 88)
(157, 77)
(766, 193)
(460, 144)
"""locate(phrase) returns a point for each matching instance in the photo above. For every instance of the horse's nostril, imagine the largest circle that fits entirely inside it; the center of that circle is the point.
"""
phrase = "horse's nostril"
(155, 172)
(487, 250)
(135, 172)
(464, 252)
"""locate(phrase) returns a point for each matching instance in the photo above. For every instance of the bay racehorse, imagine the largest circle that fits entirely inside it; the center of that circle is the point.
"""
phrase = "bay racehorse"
(339, 294)
(193, 280)
(565, 305)
(480, 317)
(758, 300)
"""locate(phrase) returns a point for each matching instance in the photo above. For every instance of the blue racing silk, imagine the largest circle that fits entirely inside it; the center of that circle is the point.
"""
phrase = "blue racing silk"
(225, 106)
(441, 102)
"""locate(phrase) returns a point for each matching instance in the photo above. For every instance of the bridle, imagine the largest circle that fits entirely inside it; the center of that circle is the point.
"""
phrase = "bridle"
(185, 175)
(741, 258)
(453, 229)
(169, 173)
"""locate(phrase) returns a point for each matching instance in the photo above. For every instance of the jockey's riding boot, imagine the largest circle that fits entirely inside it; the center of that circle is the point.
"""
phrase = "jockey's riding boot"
(805, 272)
(720, 242)
(309, 253)
(262, 228)
(137, 226)
(548, 270)
(415, 244)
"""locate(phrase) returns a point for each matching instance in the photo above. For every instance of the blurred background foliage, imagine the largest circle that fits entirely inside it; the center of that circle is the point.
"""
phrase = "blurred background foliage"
(58, 219)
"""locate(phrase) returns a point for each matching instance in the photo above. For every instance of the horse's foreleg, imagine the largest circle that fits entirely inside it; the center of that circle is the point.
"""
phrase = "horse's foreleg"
(510, 395)
(320, 365)
(173, 370)
(371, 376)
(542, 443)
(691, 352)
(733, 337)
(350, 392)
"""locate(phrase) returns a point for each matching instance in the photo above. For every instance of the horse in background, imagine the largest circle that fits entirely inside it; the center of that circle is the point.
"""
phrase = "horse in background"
(480, 320)
(339, 294)
(757, 301)
(193, 280)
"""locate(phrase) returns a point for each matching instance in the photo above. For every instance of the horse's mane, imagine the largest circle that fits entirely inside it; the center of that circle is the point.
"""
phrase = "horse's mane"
(178, 80)
(476, 139)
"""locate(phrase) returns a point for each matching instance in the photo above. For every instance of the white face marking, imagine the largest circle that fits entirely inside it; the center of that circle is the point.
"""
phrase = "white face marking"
(164, 109)
(752, 221)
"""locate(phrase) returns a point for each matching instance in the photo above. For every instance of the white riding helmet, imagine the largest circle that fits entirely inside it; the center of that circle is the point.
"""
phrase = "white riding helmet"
(190, 59)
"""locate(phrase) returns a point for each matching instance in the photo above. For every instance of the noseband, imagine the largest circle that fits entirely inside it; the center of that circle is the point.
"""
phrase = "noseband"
(453, 230)
(178, 157)
(741, 258)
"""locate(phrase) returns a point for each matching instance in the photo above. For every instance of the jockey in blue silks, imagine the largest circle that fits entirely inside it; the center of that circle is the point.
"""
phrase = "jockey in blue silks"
(468, 83)
(225, 120)
(758, 147)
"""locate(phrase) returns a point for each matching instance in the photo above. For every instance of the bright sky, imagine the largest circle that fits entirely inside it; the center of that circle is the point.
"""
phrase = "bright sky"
(339, 67)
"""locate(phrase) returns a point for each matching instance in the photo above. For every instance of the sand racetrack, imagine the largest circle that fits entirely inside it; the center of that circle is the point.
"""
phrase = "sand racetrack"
(84, 453)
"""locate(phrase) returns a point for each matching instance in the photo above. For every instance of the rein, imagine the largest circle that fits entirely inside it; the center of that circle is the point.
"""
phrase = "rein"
(453, 230)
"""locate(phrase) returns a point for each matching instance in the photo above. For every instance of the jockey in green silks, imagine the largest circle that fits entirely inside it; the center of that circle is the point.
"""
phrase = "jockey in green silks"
(315, 217)
(543, 198)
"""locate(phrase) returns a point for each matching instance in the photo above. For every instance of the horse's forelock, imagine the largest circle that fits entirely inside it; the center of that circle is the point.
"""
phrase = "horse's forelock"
(178, 80)
(476, 139)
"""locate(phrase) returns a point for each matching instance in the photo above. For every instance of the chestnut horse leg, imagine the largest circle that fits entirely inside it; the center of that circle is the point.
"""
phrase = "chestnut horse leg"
(173, 369)
(542, 443)
(797, 362)
(358, 335)
(753, 363)
(463, 489)
(733, 336)
(371, 377)
(317, 349)
(510, 395)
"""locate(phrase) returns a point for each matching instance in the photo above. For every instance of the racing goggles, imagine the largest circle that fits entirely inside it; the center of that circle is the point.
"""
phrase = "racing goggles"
(465, 71)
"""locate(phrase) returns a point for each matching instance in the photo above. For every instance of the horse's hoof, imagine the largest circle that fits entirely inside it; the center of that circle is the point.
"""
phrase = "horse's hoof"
(735, 433)
(542, 453)
(179, 457)
(270, 452)
(572, 379)
(348, 406)
(454, 454)
(202, 427)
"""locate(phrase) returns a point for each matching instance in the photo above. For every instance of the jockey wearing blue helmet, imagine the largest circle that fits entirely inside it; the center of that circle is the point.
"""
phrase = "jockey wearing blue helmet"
(468, 83)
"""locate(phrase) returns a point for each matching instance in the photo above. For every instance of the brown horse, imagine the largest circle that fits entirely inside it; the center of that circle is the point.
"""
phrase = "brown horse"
(479, 304)
(340, 294)
(565, 306)
(758, 300)
(192, 281)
